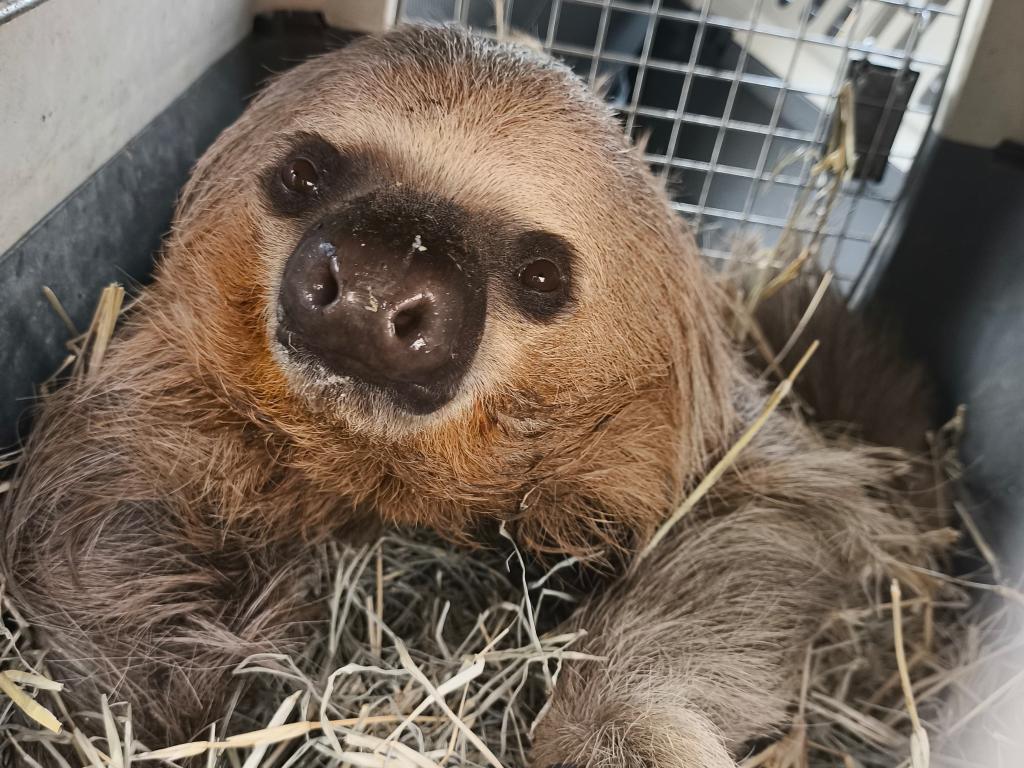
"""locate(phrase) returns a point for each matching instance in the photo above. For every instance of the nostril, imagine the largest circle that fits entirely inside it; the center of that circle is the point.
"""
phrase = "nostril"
(323, 294)
(321, 286)
(409, 321)
(405, 323)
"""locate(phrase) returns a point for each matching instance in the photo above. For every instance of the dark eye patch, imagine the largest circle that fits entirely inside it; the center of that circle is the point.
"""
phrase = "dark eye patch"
(542, 275)
(309, 172)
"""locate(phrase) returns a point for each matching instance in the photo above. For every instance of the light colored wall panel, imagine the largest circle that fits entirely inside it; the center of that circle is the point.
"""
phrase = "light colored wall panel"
(986, 83)
(79, 78)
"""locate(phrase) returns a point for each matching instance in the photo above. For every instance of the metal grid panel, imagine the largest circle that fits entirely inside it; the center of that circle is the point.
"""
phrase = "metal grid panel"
(734, 97)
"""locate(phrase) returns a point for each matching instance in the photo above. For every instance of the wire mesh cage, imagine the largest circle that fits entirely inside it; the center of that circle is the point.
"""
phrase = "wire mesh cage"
(734, 100)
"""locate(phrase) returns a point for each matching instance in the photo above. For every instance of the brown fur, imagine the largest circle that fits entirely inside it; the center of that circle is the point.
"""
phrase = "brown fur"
(157, 529)
(857, 380)
(706, 639)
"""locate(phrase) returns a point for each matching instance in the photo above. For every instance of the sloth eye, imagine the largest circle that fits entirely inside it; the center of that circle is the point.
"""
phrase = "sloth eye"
(541, 275)
(544, 272)
(300, 175)
(309, 171)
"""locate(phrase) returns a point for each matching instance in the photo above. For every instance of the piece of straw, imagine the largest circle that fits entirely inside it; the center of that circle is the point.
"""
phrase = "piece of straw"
(61, 312)
(716, 472)
(28, 705)
(979, 540)
(438, 698)
(804, 321)
(267, 736)
(283, 710)
(113, 739)
(919, 749)
(101, 330)
(34, 680)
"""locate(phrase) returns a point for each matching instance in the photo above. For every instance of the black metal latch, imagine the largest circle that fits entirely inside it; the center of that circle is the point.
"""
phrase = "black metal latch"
(881, 96)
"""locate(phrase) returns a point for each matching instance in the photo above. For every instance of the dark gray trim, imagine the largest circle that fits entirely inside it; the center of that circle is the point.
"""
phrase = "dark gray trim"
(952, 281)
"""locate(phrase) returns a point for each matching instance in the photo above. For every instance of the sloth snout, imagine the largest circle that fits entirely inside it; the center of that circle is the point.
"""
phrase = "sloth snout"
(397, 310)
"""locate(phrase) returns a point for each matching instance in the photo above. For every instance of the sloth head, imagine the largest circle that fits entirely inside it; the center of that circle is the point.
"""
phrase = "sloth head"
(432, 268)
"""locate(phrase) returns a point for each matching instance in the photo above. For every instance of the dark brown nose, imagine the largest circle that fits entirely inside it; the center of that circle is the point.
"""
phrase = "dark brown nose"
(401, 311)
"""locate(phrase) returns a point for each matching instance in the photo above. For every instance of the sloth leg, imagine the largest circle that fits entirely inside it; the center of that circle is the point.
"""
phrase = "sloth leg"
(132, 588)
(704, 640)
(125, 606)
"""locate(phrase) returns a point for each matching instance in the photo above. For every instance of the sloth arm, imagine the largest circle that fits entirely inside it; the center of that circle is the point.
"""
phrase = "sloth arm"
(115, 546)
(704, 640)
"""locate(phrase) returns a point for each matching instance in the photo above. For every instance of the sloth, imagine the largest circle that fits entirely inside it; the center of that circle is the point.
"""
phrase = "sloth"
(425, 281)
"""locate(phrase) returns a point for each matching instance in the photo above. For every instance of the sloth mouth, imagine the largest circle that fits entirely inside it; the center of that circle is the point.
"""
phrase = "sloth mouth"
(353, 377)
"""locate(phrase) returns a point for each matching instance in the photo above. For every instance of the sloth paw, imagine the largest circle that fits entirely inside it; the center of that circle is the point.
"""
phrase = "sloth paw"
(628, 740)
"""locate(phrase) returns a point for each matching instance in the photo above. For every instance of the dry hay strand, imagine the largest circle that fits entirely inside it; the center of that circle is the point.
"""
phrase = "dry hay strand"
(85, 349)
(722, 465)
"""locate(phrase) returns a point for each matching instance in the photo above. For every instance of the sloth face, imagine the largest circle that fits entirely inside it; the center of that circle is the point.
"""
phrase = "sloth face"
(430, 220)
(433, 264)
(386, 295)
